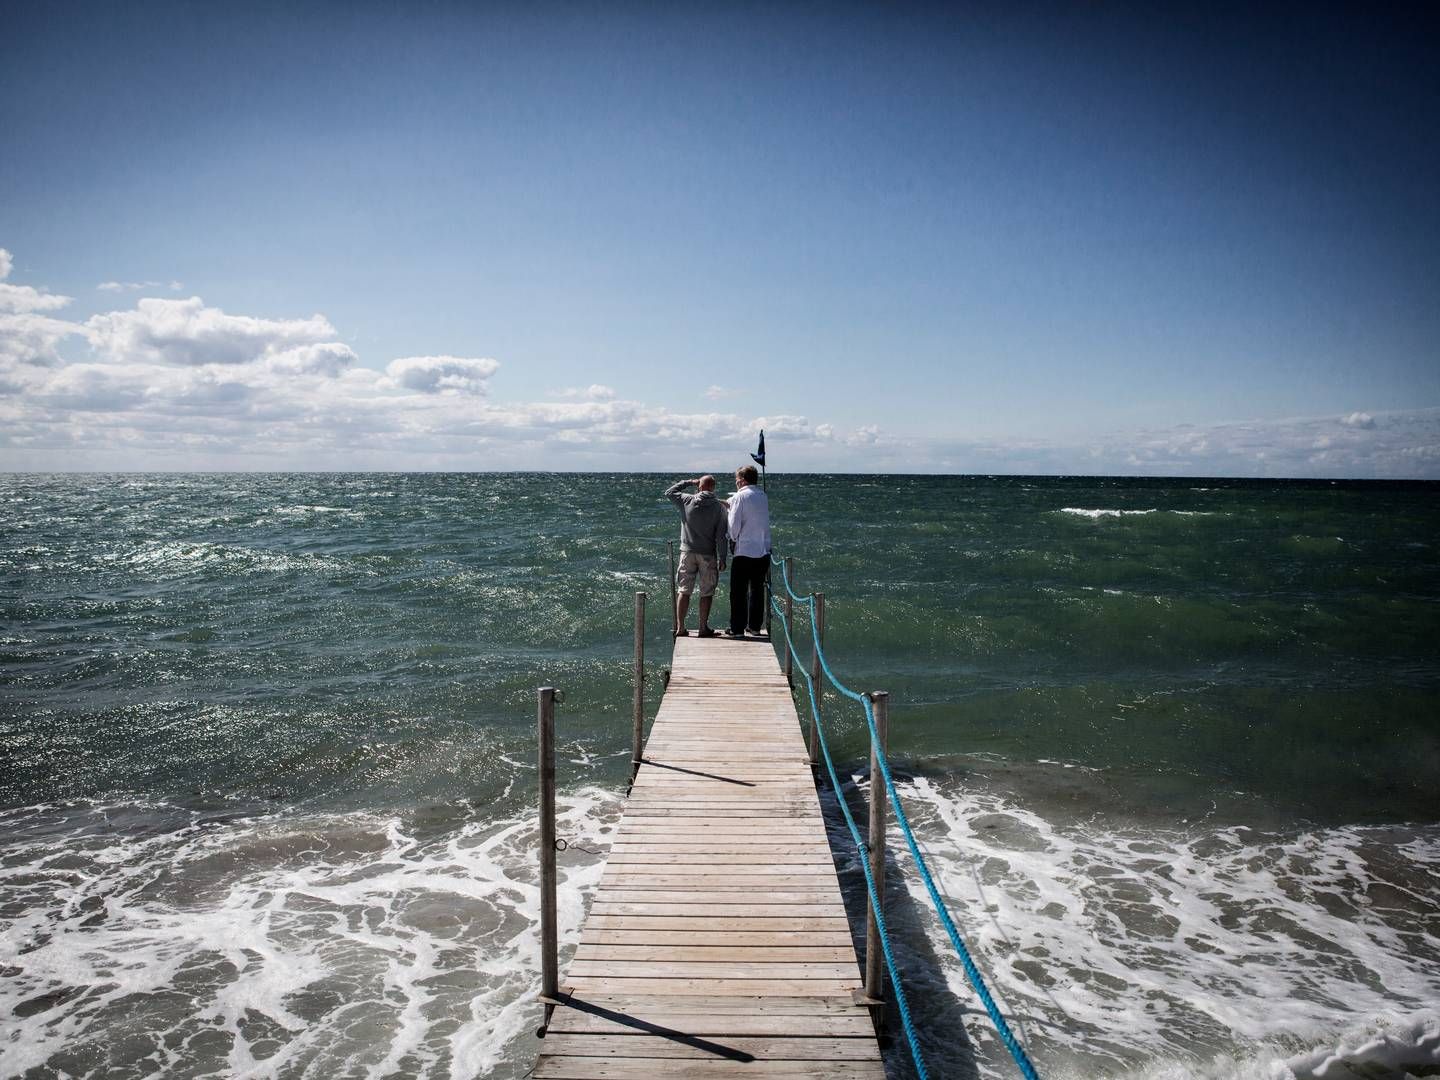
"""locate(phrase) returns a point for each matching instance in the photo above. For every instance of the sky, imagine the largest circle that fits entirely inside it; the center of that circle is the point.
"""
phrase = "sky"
(993, 238)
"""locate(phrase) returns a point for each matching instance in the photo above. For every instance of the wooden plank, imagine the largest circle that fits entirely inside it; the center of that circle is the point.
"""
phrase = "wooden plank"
(748, 1048)
(620, 893)
(797, 953)
(756, 884)
(695, 920)
(580, 970)
(855, 1023)
(707, 987)
(735, 938)
(599, 1068)
(672, 860)
(700, 907)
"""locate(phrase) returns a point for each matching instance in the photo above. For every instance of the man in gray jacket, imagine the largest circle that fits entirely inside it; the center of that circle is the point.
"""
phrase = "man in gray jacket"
(703, 547)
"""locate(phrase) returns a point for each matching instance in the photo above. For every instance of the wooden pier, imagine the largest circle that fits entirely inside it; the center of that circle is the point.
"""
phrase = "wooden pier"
(717, 944)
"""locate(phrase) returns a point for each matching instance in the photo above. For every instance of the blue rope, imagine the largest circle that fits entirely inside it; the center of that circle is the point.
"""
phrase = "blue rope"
(971, 971)
(785, 577)
(900, 1001)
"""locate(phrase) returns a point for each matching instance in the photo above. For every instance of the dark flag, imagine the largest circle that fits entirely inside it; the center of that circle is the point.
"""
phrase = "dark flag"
(759, 455)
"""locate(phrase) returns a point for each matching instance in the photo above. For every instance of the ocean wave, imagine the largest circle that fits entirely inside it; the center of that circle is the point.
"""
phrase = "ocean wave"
(142, 937)
(1225, 952)
(1096, 514)
(181, 559)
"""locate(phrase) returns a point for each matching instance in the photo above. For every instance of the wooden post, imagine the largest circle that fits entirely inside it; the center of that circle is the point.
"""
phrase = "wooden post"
(769, 594)
(789, 577)
(874, 959)
(638, 745)
(674, 595)
(549, 937)
(817, 676)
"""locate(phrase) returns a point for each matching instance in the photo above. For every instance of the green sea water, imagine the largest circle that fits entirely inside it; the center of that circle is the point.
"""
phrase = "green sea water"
(230, 693)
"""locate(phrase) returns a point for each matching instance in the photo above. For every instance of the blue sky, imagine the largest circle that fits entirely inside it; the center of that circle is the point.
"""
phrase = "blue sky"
(1075, 238)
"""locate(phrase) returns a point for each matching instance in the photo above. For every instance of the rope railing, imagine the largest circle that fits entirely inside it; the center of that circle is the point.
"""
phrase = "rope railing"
(870, 887)
(972, 973)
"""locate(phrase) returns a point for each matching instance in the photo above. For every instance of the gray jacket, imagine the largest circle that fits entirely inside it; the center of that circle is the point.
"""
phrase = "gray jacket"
(703, 522)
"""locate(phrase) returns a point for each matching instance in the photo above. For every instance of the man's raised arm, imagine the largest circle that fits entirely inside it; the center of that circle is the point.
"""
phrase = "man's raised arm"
(674, 492)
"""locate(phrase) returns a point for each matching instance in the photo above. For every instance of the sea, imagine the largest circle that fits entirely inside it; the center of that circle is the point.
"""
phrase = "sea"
(1171, 748)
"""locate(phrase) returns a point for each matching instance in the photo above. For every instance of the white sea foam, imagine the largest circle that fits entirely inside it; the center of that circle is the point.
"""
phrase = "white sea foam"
(1103, 513)
(1082, 512)
(180, 558)
(1150, 952)
(299, 946)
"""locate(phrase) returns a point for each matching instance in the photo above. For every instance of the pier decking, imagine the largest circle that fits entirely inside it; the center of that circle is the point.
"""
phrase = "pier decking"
(717, 944)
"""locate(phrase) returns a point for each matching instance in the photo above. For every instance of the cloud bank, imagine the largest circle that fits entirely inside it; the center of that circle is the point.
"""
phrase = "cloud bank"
(175, 383)
(180, 384)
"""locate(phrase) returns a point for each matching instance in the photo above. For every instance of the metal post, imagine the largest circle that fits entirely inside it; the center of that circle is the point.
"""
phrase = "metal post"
(549, 938)
(874, 961)
(674, 595)
(816, 676)
(790, 618)
(639, 744)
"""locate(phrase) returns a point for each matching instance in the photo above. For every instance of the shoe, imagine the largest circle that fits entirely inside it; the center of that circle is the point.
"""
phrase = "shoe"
(682, 632)
(734, 634)
(705, 631)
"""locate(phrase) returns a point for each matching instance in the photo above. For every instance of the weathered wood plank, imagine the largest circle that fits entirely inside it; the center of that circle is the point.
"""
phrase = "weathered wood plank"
(770, 952)
(694, 920)
(815, 1004)
(733, 938)
(700, 907)
(854, 1023)
(600, 1068)
(671, 860)
(685, 986)
(748, 1048)
(580, 969)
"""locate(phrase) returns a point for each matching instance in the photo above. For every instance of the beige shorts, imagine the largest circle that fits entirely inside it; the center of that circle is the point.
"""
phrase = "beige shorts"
(704, 567)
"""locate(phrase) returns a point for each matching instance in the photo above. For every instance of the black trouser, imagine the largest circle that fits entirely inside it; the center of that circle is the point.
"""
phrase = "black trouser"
(747, 592)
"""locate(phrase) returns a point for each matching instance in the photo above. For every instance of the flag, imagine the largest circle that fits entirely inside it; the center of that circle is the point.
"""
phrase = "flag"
(759, 455)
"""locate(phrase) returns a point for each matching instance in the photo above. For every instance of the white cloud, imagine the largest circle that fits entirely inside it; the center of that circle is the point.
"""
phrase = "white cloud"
(1394, 445)
(719, 393)
(174, 382)
(593, 392)
(186, 332)
(1358, 420)
(442, 374)
(22, 299)
(136, 286)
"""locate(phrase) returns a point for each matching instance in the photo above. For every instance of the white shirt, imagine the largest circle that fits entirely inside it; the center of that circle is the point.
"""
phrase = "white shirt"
(750, 522)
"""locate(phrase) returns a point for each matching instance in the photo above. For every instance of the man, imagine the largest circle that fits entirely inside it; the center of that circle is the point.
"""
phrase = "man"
(702, 549)
(750, 544)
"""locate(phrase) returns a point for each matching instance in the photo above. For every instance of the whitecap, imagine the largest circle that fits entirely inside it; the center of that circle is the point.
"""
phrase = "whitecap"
(287, 945)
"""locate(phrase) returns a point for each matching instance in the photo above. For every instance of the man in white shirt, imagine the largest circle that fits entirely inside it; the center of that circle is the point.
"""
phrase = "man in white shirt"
(750, 545)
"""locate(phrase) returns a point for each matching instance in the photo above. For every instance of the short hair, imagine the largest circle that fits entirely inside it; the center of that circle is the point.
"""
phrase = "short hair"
(748, 473)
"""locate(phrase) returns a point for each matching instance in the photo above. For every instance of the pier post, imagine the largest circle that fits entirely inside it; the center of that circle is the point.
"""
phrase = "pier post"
(789, 617)
(549, 936)
(817, 677)
(874, 960)
(638, 745)
(674, 596)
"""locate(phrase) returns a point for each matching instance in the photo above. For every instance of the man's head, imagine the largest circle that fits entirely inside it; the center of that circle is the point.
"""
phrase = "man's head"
(746, 475)
(707, 483)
